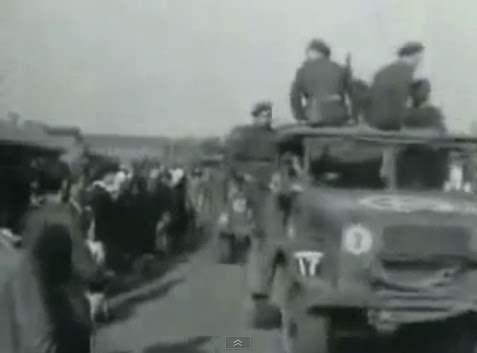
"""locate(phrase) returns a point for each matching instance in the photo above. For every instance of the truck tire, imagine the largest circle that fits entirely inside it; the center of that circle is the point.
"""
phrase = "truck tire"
(310, 334)
(260, 314)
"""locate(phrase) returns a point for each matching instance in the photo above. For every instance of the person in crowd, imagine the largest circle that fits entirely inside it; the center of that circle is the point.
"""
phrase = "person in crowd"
(50, 309)
(391, 89)
(323, 85)
(108, 218)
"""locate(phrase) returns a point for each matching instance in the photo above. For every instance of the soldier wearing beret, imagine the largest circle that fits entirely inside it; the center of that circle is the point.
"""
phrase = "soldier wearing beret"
(262, 114)
(322, 84)
(391, 88)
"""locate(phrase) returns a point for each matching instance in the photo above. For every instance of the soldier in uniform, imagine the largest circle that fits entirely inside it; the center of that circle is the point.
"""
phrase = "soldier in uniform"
(323, 85)
(423, 114)
(251, 155)
(391, 89)
(262, 115)
(260, 165)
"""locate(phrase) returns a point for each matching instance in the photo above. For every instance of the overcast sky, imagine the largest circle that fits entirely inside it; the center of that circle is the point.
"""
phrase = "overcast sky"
(180, 67)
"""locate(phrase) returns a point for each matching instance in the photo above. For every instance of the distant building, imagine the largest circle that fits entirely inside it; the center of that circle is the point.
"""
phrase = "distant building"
(66, 136)
(128, 147)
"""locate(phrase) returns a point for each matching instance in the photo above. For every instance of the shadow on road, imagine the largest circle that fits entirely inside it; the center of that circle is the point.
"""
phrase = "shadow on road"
(158, 267)
(192, 345)
(125, 308)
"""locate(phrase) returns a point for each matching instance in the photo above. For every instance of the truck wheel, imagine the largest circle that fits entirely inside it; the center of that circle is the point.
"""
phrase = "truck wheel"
(260, 314)
(225, 249)
(461, 342)
(311, 334)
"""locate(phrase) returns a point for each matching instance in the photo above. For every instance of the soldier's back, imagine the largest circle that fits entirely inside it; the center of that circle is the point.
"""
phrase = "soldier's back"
(323, 83)
(389, 94)
(321, 78)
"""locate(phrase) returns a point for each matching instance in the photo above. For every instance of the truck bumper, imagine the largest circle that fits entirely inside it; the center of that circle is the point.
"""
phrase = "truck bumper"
(383, 309)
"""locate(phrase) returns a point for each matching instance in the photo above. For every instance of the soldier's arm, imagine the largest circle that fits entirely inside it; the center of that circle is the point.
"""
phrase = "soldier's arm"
(347, 92)
(296, 95)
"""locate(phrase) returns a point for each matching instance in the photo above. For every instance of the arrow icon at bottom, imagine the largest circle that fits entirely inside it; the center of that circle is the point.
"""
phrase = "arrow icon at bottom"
(238, 343)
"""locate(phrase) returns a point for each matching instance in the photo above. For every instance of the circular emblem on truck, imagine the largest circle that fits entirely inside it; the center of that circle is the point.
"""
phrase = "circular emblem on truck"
(357, 240)
(406, 204)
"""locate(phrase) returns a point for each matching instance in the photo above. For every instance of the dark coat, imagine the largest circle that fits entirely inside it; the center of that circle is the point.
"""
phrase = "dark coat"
(251, 150)
(426, 116)
(48, 310)
(323, 84)
(390, 92)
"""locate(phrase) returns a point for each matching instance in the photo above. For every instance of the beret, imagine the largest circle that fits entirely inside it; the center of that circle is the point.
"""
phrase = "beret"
(261, 107)
(410, 48)
(320, 46)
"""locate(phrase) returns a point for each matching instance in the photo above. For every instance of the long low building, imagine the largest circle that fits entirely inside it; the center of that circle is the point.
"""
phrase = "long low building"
(171, 151)
(130, 147)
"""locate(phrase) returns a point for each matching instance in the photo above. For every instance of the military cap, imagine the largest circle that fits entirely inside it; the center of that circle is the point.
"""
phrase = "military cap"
(410, 48)
(261, 107)
(320, 46)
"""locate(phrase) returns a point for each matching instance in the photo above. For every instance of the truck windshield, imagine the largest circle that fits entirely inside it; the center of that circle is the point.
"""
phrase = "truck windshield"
(421, 167)
(364, 165)
(347, 164)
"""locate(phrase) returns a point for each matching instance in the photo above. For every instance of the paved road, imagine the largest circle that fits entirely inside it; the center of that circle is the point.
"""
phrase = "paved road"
(189, 310)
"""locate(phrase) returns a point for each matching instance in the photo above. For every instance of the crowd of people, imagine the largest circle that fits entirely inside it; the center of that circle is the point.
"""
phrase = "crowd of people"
(136, 211)
(77, 233)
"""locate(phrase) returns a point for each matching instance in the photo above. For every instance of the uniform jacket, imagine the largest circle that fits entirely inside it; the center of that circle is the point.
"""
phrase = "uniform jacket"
(322, 84)
(426, 116)
(251, 150)
(389, 95)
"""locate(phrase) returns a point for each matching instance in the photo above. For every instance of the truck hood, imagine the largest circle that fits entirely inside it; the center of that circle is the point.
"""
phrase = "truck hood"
(381, 208)
(408, 221)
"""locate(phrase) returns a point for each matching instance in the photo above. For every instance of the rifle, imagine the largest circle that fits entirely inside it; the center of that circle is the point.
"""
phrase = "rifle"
(350, 88)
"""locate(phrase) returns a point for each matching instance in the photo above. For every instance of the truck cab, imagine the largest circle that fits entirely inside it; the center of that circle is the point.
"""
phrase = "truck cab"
(370, 233)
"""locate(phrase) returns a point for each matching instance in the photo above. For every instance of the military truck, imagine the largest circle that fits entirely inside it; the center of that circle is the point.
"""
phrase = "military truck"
(372, 239)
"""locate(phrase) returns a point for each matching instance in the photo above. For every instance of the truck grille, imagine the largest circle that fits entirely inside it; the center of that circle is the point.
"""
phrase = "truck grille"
(417, 276)
(418, 241)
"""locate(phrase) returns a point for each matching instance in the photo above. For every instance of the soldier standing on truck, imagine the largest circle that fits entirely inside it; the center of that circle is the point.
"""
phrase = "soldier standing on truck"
(391, 88)
(318, 93)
